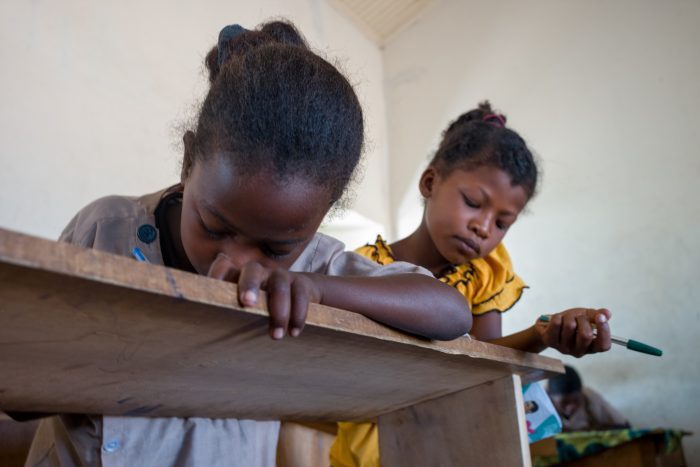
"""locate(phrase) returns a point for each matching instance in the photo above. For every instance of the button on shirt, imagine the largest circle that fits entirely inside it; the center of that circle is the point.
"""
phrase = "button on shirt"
(111, 446)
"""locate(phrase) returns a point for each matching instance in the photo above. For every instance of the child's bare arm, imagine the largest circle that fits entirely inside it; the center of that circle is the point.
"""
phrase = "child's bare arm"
(487, 328)
(414, 303)
(570, 332)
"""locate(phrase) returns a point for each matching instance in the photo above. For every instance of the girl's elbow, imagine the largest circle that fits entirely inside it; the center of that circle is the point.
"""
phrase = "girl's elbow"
(468, 322)
(459, 325)
(463, 313)
(455, 319)
(464, 323)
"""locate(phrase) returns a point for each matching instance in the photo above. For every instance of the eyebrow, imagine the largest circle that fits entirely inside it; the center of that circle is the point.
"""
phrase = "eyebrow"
(229, 226)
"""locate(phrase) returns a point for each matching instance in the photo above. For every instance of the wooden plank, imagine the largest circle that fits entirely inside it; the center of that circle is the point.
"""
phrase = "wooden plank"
(83, 331)
(15, 439)
(546, 447)
(483, 425)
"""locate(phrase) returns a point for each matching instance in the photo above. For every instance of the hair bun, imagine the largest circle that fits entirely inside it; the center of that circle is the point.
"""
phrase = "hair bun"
(284, 33)
(236, 41)
(485, 107)
(483, 113)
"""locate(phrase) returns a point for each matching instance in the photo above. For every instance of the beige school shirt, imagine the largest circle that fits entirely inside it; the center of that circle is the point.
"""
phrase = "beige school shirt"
(117, 224)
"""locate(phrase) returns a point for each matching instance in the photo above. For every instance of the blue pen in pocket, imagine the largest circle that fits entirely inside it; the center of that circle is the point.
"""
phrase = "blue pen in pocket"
(138, 254)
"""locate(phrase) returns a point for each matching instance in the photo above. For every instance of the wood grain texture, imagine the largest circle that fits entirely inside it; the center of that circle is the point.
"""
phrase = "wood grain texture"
(83, 331)
(480, 426)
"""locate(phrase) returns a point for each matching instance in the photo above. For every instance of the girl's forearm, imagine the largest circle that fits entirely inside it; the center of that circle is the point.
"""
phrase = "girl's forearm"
(528, 340)
(411, 302)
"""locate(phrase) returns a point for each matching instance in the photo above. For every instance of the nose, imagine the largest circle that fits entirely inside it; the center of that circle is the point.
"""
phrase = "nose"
(568, 410)
(480, 226)
(241, 253)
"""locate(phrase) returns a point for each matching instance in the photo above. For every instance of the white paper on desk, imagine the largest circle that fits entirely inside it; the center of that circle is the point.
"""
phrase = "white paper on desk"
(540, 415)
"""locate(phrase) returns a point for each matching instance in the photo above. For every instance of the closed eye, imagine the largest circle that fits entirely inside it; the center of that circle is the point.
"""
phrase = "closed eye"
(273, 253)
(502, 225)
(469, 202)
(210, 232)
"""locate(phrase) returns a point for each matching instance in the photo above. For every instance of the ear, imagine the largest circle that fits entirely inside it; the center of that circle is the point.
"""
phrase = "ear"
(188, 156)
(427, 180)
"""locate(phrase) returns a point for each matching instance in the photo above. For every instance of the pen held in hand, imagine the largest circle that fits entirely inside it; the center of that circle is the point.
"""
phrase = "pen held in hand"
(629, 343)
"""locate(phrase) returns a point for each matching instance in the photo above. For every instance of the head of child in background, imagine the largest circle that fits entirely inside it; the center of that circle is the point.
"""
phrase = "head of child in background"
(480, 179)
(566, 392)
(277, 140)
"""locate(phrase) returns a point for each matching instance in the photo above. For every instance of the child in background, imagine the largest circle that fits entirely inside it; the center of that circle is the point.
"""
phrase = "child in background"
(277, 140)
(580, 407)
(477, 184)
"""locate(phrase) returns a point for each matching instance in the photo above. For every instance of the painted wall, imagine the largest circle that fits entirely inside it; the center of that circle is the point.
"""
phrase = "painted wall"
(607, 94)
(94, 96)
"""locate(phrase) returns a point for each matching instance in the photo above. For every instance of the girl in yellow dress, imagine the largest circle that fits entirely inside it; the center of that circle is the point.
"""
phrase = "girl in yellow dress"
(480, 179)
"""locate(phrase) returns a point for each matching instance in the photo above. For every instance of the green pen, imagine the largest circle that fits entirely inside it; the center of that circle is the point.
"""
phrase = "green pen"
(629, 343)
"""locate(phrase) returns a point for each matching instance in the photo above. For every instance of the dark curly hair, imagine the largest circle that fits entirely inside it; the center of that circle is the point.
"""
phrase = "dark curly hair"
(480, 137)
(275, 105)
(568, 383)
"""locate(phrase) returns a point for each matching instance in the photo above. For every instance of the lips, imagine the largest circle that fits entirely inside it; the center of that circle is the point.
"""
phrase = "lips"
(470, 245)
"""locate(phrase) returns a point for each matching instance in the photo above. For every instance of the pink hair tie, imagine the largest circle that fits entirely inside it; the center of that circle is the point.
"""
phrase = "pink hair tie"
(495, 119)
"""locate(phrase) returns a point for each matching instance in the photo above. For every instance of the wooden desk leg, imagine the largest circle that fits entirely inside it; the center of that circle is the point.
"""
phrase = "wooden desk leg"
(480, 426)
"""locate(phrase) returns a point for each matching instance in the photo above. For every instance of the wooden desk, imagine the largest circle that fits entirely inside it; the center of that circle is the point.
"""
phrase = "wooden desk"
(83, 331)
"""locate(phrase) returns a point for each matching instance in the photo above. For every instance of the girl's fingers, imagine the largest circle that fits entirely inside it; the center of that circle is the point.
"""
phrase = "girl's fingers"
(300, 306)
(579, 331)
(603, 340)
(584, 336)
(288, 296)
(278, 302)
(568, 331)
(553, 332)
(605, 312)
(250, 280)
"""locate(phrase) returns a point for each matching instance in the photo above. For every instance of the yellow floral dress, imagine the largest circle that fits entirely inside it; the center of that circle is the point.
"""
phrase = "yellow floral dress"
(489, 284)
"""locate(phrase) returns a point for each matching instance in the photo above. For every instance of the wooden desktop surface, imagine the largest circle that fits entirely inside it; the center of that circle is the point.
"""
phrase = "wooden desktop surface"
(83, 331)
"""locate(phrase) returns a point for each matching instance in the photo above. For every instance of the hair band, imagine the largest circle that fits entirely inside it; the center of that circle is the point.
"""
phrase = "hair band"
(226, 34)
(495, 119)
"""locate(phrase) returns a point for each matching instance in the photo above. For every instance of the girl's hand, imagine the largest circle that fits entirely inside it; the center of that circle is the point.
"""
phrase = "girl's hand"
(572, 332)
(288, 293)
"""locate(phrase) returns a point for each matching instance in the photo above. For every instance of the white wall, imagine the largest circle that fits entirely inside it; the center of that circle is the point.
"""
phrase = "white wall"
(93, 95)
(607, 93)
